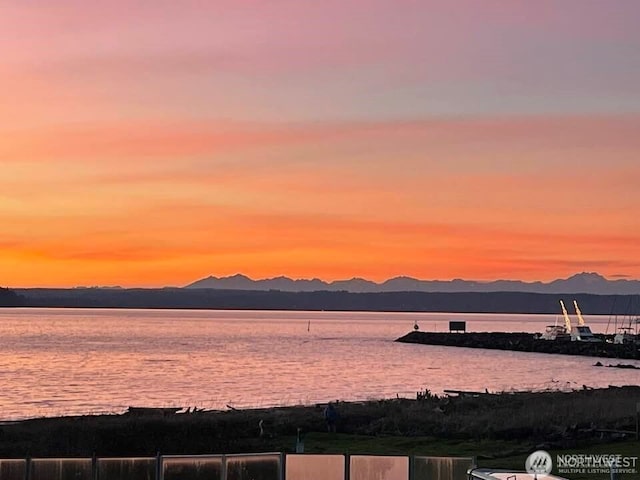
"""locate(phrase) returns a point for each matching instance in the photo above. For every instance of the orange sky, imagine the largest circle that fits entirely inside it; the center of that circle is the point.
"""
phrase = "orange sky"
(128, 159)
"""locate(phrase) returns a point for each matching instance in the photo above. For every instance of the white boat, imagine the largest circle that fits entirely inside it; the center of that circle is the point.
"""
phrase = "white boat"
(556, 332)
(625, 335)
(629, 333)
(583, 334)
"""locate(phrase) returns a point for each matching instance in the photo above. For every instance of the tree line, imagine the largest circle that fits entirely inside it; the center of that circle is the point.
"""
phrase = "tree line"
(9, 298)
(473, 302)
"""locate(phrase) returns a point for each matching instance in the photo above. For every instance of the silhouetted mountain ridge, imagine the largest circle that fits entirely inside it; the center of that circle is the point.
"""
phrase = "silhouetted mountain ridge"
(585, 282)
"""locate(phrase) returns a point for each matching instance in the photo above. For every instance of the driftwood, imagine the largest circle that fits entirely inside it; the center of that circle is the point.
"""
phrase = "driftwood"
(152, 411)
(466, 392)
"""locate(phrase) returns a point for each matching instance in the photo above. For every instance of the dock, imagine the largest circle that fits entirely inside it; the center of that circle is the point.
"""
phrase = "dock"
(523, 342)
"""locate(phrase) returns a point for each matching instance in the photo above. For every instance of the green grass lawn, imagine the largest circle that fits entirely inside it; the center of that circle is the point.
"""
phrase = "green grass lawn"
(391, 445)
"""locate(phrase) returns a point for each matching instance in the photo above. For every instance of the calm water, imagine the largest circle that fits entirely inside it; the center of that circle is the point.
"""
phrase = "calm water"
(67, 361)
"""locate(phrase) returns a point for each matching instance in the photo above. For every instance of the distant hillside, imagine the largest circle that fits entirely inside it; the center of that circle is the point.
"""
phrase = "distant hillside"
(475, 302)
(9, 298)
(580, 283)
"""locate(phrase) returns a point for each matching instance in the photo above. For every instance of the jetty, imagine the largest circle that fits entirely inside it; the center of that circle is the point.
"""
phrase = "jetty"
(524, 342)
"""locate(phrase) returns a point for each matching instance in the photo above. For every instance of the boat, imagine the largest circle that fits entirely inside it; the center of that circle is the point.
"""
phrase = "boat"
(628, 334)
(581, 332)
(625, 335)
(556, 333)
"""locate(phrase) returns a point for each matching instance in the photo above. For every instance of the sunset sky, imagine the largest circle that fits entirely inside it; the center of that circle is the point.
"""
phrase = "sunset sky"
(155, 143)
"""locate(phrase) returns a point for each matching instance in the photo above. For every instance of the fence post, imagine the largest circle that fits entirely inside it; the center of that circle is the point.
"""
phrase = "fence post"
(412, 467)
(283, 465)
(347, 467)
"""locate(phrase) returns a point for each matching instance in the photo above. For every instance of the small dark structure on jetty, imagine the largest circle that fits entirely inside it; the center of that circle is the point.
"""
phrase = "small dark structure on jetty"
(522, 342)
(457, 326)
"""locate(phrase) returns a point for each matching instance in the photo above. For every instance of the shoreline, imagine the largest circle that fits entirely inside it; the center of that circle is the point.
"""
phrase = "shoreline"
(184, 411)
(520, 420)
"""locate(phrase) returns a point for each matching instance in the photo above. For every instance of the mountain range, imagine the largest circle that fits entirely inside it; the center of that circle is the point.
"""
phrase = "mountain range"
(585, 282)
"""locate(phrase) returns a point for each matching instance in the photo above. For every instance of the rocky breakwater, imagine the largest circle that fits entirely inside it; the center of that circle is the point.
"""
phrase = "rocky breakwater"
(522, 342)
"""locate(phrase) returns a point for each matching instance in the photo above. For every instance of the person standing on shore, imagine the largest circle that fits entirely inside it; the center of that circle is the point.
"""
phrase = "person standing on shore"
(331, 417)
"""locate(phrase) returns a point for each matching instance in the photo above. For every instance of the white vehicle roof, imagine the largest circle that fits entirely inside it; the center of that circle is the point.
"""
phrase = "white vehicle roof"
(495, 474)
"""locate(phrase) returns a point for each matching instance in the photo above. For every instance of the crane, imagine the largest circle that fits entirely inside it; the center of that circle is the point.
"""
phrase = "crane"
(567, 320)
(579, 313)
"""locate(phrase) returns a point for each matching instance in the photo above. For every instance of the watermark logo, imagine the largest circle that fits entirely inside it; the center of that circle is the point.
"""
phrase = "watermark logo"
(539, 463)
(597, 464)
